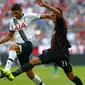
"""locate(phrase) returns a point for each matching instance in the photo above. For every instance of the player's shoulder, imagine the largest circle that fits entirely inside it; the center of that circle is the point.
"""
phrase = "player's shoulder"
(25, 15)
(11, 21)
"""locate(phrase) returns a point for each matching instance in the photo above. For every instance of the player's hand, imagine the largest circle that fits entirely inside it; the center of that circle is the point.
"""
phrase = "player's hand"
(40, 2)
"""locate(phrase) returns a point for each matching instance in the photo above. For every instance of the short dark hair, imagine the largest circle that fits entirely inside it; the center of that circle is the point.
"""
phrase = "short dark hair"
(16, 6)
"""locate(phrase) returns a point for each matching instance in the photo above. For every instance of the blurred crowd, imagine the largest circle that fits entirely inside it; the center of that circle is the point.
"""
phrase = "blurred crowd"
(73, 10)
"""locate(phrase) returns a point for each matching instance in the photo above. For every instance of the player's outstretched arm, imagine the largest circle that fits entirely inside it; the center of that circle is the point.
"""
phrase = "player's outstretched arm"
(7, 37)
(53, 9)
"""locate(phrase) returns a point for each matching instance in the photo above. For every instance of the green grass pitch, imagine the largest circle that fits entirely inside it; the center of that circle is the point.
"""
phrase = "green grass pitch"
(46, 74)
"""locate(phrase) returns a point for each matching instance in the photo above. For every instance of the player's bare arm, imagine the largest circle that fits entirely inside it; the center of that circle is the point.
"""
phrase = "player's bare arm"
(8, 37)
(45, 16)
(53, 9)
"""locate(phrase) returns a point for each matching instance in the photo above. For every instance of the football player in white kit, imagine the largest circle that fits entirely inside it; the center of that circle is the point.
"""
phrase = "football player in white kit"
(58, 52)
(20, 26)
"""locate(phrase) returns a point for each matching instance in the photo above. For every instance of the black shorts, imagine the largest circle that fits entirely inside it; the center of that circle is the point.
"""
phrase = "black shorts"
(23, 57)
(61, 57)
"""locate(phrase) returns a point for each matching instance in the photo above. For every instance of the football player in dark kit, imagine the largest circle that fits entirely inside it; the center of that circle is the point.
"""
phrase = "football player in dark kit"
(58, 51)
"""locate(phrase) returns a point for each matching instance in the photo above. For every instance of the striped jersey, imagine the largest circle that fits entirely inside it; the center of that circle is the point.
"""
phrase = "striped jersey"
(25, 24)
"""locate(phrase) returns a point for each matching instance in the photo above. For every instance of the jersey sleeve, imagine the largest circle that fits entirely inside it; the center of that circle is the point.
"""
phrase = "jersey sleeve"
(11, 27)
(34, 15)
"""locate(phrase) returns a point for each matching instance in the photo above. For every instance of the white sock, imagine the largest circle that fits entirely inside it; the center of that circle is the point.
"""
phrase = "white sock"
(37, 80)
(11, 58)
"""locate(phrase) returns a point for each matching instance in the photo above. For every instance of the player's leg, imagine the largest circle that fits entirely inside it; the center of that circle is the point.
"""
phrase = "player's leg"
(27, 66)
(74, 78)
(13, 50)
(34, 78)
(23, 58)
(44, 58)
(63, 60)
(65, 64)
(69, 72)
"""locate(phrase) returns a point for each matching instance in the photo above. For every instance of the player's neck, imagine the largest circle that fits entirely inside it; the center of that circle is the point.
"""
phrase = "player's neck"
(21, 16)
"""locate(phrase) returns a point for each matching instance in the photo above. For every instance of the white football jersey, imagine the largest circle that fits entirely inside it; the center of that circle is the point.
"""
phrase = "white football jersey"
(25, 24)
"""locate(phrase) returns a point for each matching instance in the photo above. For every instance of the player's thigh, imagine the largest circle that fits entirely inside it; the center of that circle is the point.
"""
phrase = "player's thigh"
(46, 57)
(63, 60)
(49, 56)
(23, 57)
(65, 65)
(30, 74)
(26, 47)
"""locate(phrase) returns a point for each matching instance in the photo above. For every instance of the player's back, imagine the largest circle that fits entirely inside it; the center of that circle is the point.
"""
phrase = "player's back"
(59, 37)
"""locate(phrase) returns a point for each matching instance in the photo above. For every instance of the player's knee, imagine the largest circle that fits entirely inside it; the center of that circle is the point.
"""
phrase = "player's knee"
(35, 61)
(30, 74)
(14, 47)
(70, 75)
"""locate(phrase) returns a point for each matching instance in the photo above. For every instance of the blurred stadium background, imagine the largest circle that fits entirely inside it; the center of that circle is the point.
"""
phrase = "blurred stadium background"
(74, 13)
